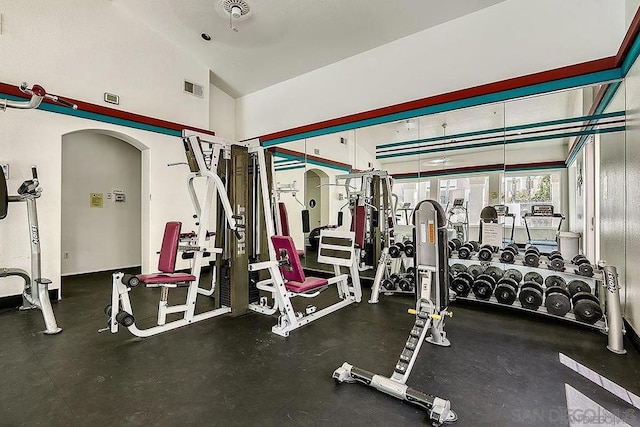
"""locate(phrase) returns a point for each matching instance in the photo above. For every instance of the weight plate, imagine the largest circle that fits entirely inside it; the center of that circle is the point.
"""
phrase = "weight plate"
(487, 278)
(399, 245)
(394, 251)
(576, 286)
(482, 289)
(405, 285)
(464, 253)
(585, 269)
(556, 264)
(476, 245)
(475, 270)
(584, 296)
(510, 282)
(514, 274)
(554, 280)
(507, 257)
(409, 250)
(577, 258)
(514, 247)
(411, 270)
(555, 255)
(557, 303)
(461, 286)
(505, 294)
(458, 268)
(533, 276)
(557, 290)
(530, 296)
(587, 311)
(495, 272)
(388, 284)
(485, 254)
(457, 242)
(395, 277)
(531, 259)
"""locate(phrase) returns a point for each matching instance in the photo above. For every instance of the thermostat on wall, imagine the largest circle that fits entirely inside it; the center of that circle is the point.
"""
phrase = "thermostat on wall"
(111, 98)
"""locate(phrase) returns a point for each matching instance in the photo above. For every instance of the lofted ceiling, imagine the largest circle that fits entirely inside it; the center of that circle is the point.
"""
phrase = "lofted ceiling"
(281, 39)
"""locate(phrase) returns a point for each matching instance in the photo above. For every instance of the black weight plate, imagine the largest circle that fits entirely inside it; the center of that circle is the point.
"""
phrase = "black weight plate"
(411, 270)
(557, 303)
(514, 274)
(482, 289)
(476, 245)
(461, 286)
(585, 269)
(555, 255)
(556, 264)
(495, 272)
(530, 296)
(399, 245)
(457, 242)
(576, 286)
(458, 268)
(388, 284)
(557, 290)
(409, 250)
(487, 278)
(485, 254)
(587, 311)
(510, 282)
(395, 277)
(405, 285)
(505, 294)
(464, 253)
(475, 270)
(577, 258)
(394, 251)
(584, 296)
(531, 259)
(507, 257)
(554, 280)
(532, 249)
(533, 276)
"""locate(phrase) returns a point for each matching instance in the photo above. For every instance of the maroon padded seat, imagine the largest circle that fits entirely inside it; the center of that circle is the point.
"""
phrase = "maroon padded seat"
(292, 272)
(284, 223)
(167, 260)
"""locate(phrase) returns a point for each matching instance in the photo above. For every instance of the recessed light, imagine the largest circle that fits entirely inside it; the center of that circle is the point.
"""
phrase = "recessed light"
(205, 37)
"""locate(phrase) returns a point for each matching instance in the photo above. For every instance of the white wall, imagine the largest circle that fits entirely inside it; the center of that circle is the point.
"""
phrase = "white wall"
(519, 37)
(107, 238)
(83, 48)
(29, 137)
(631, 7)
(222, 110)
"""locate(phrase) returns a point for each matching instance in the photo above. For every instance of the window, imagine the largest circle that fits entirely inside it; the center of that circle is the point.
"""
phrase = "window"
(474, 190)
(523, 191)
(409, 193)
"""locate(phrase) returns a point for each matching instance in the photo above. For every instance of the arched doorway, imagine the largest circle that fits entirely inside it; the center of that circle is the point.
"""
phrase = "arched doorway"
(317, 197)
(102, 207)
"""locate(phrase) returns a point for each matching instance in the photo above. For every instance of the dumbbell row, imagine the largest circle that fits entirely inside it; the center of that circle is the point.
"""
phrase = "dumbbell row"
(531, 256)
(405, 282)
(559, 298)
(396, 250)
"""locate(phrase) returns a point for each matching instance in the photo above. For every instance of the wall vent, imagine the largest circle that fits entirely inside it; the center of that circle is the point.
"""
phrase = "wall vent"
(193, 89)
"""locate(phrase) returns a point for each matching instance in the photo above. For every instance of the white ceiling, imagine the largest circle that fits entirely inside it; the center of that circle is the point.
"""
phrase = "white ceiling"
(281, 39)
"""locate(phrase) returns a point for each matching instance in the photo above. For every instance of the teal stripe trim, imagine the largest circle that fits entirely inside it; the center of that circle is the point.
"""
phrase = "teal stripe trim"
(290, 168)
(604, 103)
(101, 118)
(506, 129)
(567, 83)
(415, 175)
(495, 143)
(328, 165)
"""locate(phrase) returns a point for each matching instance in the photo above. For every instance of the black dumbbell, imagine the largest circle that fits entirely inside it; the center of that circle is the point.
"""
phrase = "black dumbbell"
(409, 249)
(125, 319)
(586, 307)
(405, 284)
(475, 270)
(531, 257)
(577, 258)
(476, 245)
(483, 287)
(458, 268)
(584, 267)
(485, 253)
(466, 251)
(461, 284)
(554, 280)
(411, 270)
(508, 255)
(576, 286)
(557, 301)
(530, 295)
(457, 242)
(389, 284)
(506, 291)
(556, 262)
(395, 251)
(107, 310)
(514, 274)
(451, 246)
(534, 276)
(495, 272)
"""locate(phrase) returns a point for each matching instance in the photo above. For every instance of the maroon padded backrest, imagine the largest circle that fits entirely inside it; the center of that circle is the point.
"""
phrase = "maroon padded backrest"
(169, 250)
(284, 219)
(285, 247)
(358, 225)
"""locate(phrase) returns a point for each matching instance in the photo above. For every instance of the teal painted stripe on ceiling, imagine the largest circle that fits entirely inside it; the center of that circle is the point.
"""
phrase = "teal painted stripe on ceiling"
(567, 83)
(473, 171)
(507, 129)
(101, 118)
(604, 103)
(506, 142)
(290, 168)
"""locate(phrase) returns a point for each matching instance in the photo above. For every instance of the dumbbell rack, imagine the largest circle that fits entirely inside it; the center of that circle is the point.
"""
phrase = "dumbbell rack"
(597, 284)
(388, 265)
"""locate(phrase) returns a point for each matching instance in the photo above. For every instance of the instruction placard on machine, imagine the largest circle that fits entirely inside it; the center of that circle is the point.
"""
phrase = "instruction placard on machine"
(492, 234)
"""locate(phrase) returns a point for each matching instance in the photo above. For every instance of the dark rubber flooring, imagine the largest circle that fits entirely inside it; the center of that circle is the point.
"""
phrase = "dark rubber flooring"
(501, 370)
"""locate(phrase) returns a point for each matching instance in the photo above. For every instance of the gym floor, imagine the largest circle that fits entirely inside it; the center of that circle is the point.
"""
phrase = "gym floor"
(502, 369)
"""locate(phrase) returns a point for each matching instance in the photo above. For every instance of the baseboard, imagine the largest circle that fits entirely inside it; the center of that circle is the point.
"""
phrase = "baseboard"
(110, 270)
(15, 301)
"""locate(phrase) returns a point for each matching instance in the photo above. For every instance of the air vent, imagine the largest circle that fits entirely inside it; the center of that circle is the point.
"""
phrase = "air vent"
(193, 89)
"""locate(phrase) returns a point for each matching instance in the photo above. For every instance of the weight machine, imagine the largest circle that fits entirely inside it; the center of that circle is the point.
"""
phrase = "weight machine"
(35, 294)
(234, 175)
(372, 211)
(458, 220)
(432, 300)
